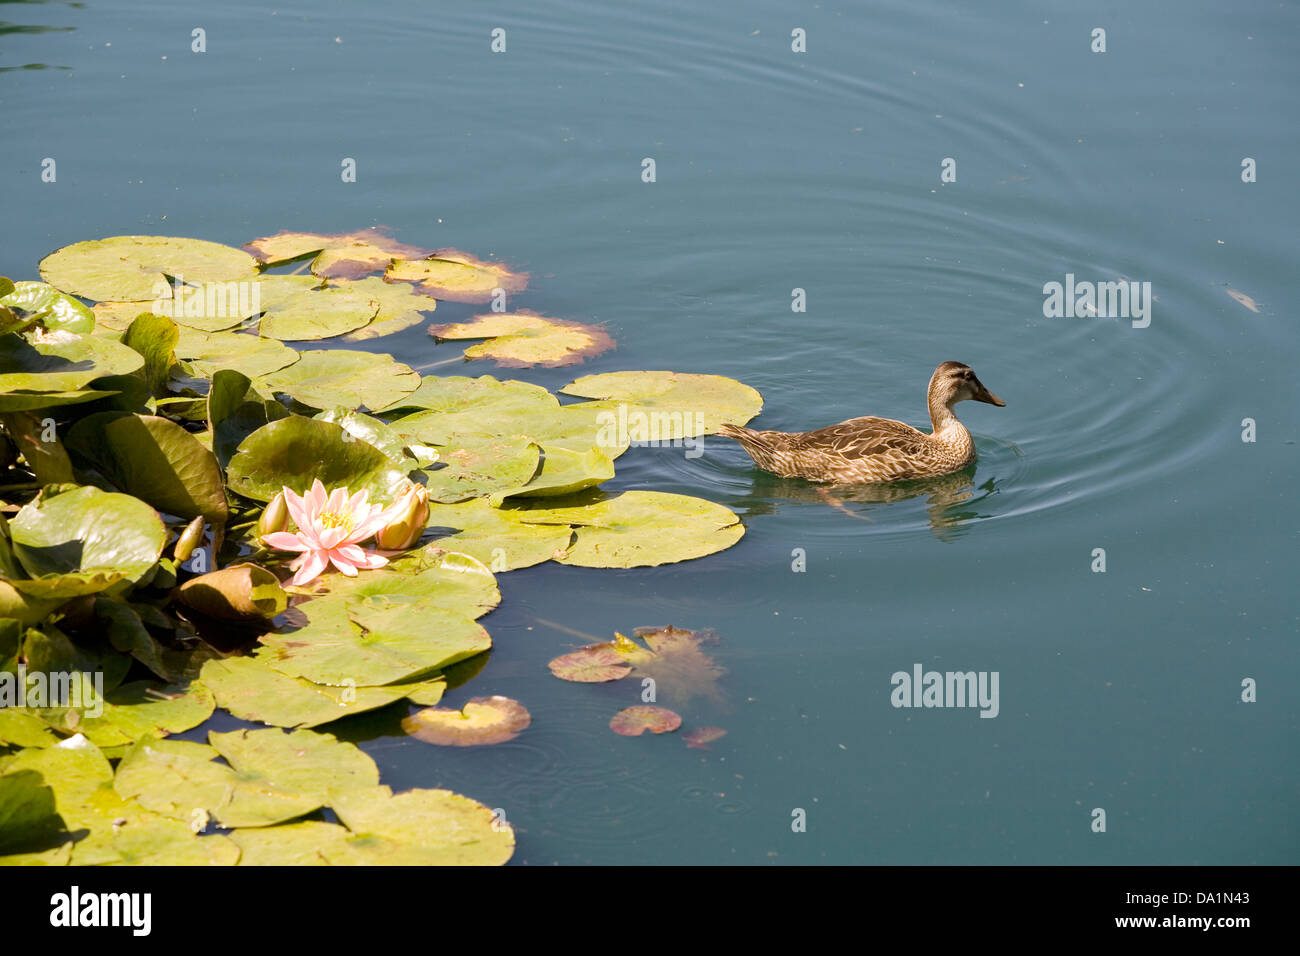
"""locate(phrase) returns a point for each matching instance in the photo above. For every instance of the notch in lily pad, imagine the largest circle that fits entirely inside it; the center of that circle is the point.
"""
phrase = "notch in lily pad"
(483, 720)
(525, 339)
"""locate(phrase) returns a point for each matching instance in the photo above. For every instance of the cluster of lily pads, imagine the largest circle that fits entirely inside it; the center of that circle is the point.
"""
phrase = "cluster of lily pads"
(145, 439)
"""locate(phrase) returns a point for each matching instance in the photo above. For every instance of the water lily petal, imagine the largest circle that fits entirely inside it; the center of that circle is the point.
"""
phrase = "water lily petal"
(311, 564)
(331, 538)
(316, 498)
(343, 564)
(284, 541)
(299, 509)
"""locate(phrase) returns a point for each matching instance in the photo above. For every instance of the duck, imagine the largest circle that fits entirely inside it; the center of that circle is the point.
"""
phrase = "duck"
(873, 449)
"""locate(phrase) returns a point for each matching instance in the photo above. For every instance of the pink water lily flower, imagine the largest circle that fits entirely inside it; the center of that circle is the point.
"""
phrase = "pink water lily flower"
(330, 531)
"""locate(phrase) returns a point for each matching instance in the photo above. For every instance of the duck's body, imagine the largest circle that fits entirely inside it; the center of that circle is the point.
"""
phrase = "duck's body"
(876, 449)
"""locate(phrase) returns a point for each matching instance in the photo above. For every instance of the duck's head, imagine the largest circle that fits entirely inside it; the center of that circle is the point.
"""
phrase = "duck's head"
(954, 382)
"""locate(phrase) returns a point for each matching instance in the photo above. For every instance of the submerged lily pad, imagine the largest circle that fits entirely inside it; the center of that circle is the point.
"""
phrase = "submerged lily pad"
(593, 664)
(251, 690)
(523, 339)
(642, 529)
(348, 255)
(295, 451)
(87, 530)
(483, 720)
(129, 268)
(457, 276)
(701, 737)
(324, 378)
(671, 657)
(634, 721)
(701, 403)
(272, 776)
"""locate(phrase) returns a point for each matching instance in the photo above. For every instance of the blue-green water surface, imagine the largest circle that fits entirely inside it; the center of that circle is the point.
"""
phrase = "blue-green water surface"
(821, 170)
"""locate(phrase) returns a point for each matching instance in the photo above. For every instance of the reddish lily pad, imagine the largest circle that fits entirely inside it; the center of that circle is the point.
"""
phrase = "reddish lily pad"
(483, 720)
(634, 721)
(701, 737)
(348, 255)
(591, 665)
(523, 339)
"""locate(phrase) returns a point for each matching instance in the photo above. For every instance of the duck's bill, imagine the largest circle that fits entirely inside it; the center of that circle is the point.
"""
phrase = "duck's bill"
(985, 395)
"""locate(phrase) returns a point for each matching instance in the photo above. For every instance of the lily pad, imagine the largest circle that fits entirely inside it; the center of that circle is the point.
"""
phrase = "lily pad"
(642, 529)
(523, 339)
(594, 664)
(294, 451)
(326, 378)
(378, 434)
(237, 592)
(86, 530)
(272, 776)
(251, 690)
(128, 268)
(421, 827)
(564, 471)
(349, 255)
(145, 709)
(701, 737)
(400, 307)
(634, 721)
(60, 365)
(154, 337)
(29, 821)
(51, 308)
(482, 721)
(701, 402)
(250, 354)
(479, 465)
(457, 276)
(40, 447)
(318, 314)
(497, 536)
(155, 460)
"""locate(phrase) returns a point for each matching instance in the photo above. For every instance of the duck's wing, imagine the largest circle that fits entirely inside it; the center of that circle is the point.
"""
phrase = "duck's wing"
(864, 438)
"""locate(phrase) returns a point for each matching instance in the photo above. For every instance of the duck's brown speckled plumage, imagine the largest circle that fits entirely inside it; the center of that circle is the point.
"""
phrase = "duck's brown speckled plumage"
(876, 449)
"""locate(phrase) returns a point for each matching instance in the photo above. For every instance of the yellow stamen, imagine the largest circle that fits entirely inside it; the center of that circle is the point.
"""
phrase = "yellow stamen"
(331, 520)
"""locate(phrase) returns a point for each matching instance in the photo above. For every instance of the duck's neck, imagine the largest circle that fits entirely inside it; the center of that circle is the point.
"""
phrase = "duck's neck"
(942, 416)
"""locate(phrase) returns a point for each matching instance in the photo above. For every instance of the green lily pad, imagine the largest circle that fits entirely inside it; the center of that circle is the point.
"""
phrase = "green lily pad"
(127, 632)
(432, 577)
(349, 255)
(19, 401)
(155, 460)
(422, 827)
(479, 465)
(457, 276)
(482, 721)
(318, 314)
(207, 352)
(497, 536)
(88, 530)
(154, 337)
(400, 307)
(235, 410)
(523, 339)
(251, 690)
(51, 308)
(634, 721)
(564, 471)
(61, 366)
(294, 451)
(326, 378)
(376, 433)
(129, 268)
(642, 529)
(40, 447)
(216, 306)
(116, 317)
(29, 820)
(20, 727)
(272, 776)
(117, 831)
(700, 403)
(145, 709)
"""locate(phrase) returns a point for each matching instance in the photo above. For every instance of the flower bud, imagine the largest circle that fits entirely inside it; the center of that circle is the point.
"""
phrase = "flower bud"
(411, 520)
(275, 516)
(189, 540)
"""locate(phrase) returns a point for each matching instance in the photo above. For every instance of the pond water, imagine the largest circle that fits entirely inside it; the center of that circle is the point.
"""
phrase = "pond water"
(819, 171)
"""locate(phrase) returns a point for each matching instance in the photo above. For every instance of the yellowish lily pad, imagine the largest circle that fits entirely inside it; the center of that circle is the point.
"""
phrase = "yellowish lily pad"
(457, 276)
